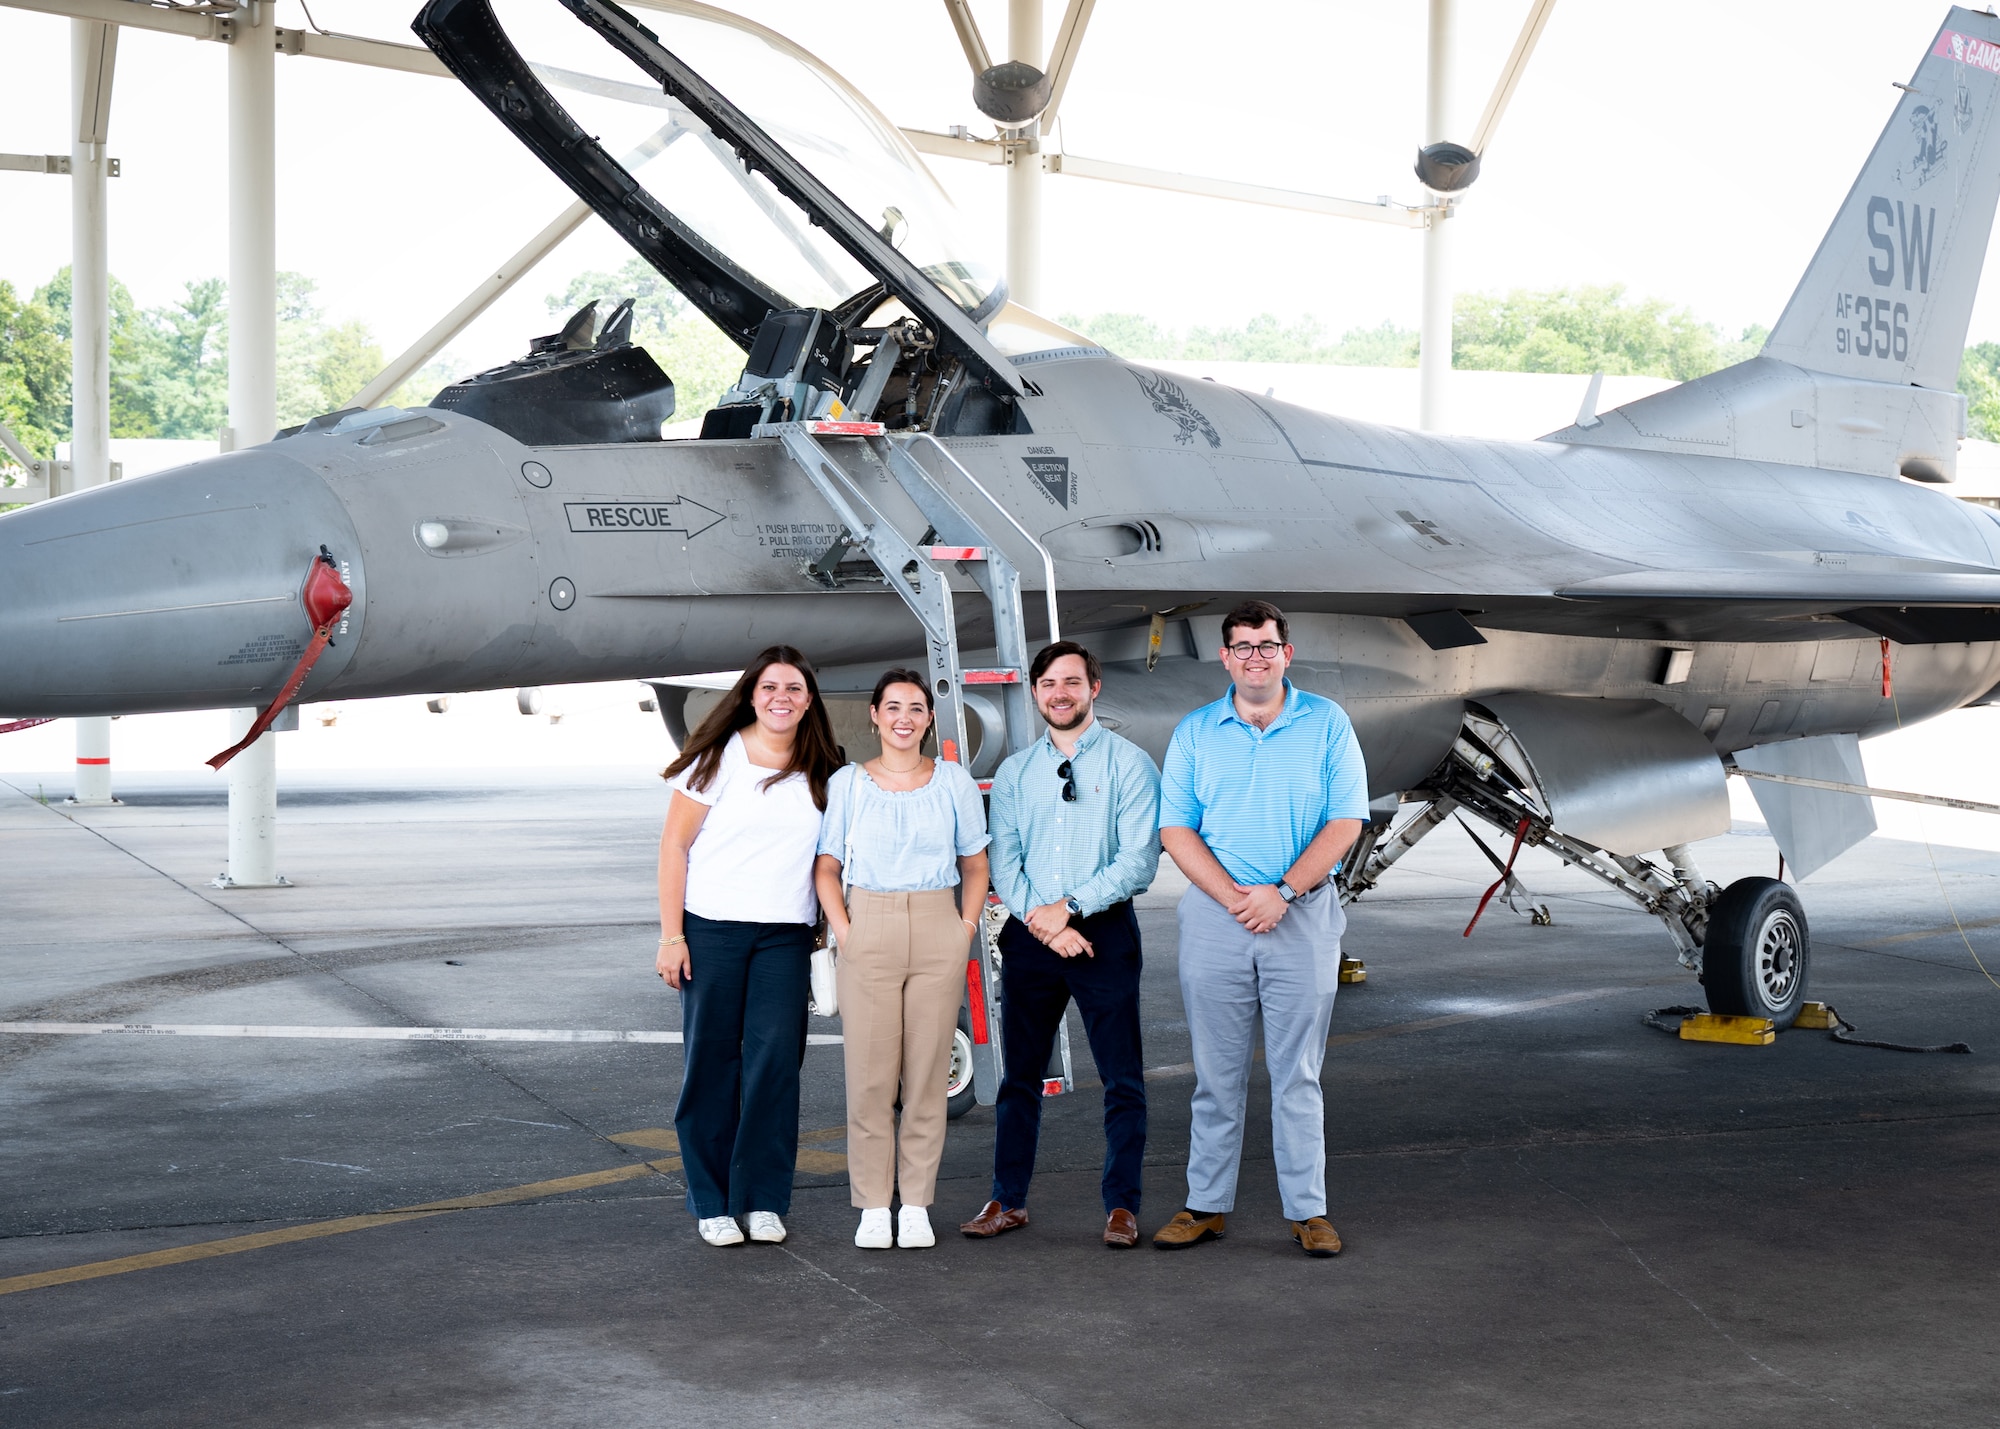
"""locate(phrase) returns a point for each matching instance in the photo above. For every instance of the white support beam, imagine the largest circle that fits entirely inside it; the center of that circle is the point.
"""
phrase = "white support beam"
(93, 59)
(969, 38)
(33, 485)
(1510, 73)
(956, 146)
(48, 164)
(355, 50)
(135, 16)
(93, 52)
(1434, 326)
(476, 302)
(1062, 56)
(1024, 168)
(1401, 215)
(253, 391)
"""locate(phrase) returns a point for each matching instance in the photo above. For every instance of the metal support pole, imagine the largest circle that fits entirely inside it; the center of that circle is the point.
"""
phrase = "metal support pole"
(1434, 350)
(93, 48)
(253, 810)
(93, 763)
(1024, 167)
(253, 387)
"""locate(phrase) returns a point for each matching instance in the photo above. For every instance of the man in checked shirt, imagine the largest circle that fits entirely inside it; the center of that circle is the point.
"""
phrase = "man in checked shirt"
(1074, 821)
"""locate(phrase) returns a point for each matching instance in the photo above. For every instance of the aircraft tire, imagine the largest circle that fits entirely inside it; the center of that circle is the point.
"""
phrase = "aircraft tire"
(958, 1087)
(1758, 952)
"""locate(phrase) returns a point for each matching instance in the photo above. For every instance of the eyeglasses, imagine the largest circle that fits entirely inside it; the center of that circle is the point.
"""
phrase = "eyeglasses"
(1064, 773)
(1244, 650)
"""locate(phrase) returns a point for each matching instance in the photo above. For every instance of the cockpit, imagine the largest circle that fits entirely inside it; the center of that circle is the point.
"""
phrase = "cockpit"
(774, 197)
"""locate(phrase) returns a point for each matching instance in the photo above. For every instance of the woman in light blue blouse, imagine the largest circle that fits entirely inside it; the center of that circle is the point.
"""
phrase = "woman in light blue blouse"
(901, 874)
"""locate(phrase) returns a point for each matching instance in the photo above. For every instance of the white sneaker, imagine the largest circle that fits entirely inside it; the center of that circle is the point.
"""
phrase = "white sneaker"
(766, 1227)
(720, 1230)
(874, 1232)
(913, 1228)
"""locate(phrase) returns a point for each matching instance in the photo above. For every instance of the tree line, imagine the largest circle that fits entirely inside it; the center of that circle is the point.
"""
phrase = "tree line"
(1578, 330)
(170, 364)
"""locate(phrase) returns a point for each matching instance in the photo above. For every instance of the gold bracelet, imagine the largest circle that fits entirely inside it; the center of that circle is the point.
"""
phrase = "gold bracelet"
(669, 942)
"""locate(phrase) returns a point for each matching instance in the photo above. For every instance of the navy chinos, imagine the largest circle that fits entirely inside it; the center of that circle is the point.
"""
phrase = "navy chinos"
(743, 1021)
(1037, 985)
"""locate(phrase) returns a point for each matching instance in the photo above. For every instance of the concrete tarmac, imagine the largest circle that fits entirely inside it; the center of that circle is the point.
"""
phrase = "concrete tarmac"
(1553, 1214)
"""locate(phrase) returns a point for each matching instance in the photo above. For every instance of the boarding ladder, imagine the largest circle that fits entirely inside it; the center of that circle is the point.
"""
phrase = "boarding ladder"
(915, 569)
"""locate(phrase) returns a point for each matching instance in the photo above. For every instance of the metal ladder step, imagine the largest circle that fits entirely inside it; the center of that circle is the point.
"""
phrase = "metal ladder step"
(954, 537)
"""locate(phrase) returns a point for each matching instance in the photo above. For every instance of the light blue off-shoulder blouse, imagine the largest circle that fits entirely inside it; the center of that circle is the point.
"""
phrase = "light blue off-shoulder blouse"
(907, 841)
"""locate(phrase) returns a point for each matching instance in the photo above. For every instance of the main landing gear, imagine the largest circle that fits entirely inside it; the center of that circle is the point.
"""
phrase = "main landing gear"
(1748, 943)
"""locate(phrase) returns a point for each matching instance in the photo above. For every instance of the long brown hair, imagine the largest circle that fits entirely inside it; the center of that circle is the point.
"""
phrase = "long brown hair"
(814, 754)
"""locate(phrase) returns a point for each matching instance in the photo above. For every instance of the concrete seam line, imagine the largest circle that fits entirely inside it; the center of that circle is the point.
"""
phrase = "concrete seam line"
(316, 1230)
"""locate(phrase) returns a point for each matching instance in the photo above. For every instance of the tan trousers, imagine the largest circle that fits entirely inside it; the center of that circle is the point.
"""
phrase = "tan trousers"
(902, 978)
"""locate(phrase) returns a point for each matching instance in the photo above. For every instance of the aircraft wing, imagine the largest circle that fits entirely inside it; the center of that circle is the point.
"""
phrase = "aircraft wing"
(1911, 602)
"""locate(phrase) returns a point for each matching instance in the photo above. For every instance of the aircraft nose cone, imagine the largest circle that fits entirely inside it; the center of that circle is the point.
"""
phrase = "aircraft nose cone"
(174, 591)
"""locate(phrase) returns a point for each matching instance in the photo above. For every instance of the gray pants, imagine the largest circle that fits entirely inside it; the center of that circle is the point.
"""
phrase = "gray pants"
(1228, 975)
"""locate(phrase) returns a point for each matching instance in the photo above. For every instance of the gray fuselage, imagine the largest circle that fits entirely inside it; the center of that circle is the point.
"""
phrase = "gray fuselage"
(1581, 566)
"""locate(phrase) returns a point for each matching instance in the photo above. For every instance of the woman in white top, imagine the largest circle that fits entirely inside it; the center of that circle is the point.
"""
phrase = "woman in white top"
(902, 876)
(736, 919)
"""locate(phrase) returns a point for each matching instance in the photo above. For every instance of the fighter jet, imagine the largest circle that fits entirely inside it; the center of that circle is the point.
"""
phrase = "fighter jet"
(1572, 640)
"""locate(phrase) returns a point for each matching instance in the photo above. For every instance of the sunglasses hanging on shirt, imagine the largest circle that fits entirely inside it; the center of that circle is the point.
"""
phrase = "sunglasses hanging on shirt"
(1064, 773)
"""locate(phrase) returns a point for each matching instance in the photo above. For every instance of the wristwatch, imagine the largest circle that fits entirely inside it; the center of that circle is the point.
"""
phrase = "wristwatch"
(1075, 908)
(1286, 891)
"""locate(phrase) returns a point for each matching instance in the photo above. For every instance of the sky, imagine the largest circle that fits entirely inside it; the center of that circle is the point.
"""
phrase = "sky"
(1694, 153)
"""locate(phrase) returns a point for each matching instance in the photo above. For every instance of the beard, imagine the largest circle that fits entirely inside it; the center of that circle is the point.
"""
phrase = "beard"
(1077, 715)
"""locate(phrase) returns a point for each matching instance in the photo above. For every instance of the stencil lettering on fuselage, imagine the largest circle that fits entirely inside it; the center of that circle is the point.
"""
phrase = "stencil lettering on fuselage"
(1900, 239)
(683, 515)
(1052, 475)
(807, 540)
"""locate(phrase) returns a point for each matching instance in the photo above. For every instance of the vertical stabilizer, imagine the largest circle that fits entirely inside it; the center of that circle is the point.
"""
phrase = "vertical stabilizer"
(1889, 294)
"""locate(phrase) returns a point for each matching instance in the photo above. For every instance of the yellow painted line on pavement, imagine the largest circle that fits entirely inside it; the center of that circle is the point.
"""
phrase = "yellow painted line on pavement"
(651, 1138)
(818, 1163)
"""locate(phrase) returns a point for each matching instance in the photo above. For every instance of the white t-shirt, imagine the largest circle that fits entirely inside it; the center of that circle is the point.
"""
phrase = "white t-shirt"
(752, 860)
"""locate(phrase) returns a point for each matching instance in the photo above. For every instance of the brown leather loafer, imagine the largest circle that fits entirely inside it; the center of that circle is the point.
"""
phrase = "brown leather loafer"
(993, 1218)
(1186, 1229)
(1316, 1237)
(1121, 1229)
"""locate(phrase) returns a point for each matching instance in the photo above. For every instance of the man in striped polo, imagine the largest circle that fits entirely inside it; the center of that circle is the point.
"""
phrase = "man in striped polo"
(1263, 793)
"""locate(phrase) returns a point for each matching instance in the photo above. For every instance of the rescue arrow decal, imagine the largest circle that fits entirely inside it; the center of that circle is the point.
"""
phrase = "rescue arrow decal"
(682, 514)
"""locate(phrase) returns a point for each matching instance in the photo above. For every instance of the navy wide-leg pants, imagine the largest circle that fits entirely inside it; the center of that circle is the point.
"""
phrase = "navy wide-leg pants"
(743, 1024)
(1036, 985)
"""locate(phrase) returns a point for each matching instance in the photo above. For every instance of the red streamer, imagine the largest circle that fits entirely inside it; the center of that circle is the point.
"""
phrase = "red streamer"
(1520, 832)
(325, 597)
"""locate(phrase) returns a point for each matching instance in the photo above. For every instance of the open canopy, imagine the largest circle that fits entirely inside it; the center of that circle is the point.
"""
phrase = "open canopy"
(792, 192)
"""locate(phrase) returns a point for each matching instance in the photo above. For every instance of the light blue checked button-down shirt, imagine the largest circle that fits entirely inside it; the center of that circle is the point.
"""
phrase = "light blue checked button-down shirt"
(1100, 850)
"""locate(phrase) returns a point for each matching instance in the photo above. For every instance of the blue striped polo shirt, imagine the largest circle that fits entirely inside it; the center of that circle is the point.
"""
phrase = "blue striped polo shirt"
(1258, 797)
